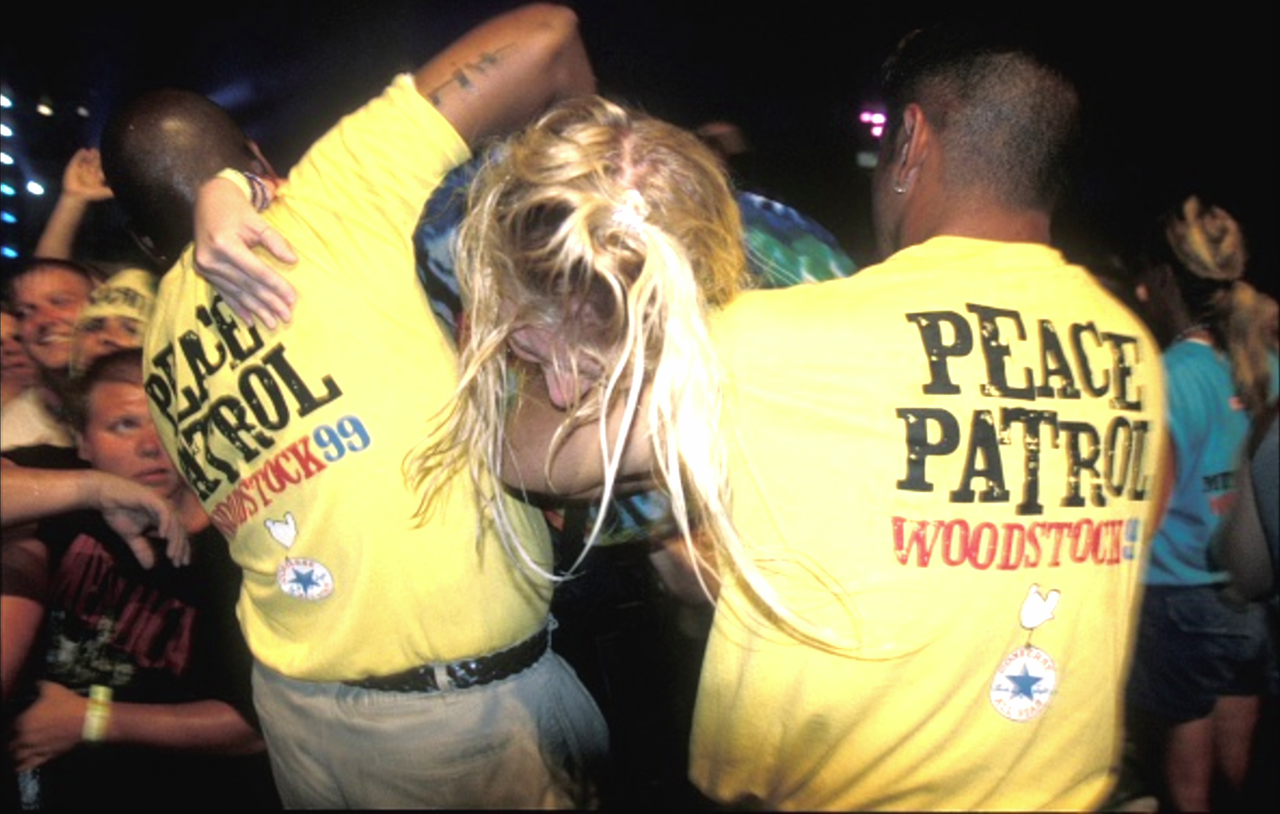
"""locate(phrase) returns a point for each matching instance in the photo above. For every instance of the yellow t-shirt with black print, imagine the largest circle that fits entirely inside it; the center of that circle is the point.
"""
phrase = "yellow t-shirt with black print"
(947, 465)
(295, 438)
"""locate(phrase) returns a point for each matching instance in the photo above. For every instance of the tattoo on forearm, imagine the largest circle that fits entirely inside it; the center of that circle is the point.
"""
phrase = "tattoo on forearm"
(468, 73)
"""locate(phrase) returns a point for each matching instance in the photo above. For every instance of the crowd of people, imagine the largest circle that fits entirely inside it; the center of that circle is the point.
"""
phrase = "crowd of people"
(510, 451)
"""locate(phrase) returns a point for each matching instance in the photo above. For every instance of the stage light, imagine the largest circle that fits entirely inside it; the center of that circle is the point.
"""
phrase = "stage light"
(874, 119)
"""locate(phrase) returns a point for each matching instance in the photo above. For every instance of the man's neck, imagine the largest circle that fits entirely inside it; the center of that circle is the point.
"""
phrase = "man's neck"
(1003, 225)
(977, 214)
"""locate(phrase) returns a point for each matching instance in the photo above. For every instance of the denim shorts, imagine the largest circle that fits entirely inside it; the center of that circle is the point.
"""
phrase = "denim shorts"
(1194, 646)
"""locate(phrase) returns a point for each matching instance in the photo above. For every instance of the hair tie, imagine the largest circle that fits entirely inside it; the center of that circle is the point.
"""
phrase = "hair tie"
(633, 212)
(1207, 240)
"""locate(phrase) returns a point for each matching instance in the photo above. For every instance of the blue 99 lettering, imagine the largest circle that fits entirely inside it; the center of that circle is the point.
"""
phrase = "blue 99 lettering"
(348, 436)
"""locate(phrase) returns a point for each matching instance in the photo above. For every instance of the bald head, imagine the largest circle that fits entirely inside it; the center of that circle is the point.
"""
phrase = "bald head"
(157, 150)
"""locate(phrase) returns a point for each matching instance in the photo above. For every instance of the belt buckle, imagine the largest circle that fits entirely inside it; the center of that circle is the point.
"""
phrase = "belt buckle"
(461, 675)
(466, 673)
(442, 674)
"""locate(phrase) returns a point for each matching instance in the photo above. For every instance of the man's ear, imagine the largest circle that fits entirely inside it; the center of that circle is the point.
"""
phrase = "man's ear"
(910, 121)
(911, 149)
(148, 247)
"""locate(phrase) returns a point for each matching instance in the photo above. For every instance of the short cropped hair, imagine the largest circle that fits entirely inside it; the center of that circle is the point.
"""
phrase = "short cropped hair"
(116, 367)
(1008, 118)
(33, 264)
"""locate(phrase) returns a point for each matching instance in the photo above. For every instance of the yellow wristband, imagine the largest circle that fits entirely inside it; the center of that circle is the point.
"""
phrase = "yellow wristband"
(97, 715)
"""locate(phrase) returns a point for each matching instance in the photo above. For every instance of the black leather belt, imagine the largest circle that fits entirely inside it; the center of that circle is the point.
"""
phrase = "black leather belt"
(465, 673)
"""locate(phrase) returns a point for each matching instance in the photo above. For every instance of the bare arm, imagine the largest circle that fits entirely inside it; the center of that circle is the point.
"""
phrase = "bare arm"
(679, 570)
(227, 229)
(499, 75)
(131, 509)
(488, 82)
(20, 620)
(1241, 543)
(26, 576)
(54, 725)
(82, 184)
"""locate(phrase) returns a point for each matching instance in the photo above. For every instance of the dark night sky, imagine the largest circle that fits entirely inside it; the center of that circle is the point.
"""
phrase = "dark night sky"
(1179, 100)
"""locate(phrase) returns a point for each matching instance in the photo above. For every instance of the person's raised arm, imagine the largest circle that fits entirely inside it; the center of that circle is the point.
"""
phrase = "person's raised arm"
(490, 81)
(502, 73)
(82, 184)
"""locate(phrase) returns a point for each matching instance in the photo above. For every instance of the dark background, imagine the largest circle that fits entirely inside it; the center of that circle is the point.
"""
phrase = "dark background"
(1176, 100)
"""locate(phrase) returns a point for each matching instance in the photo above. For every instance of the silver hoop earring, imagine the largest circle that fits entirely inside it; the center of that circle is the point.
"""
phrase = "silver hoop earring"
(899, 188)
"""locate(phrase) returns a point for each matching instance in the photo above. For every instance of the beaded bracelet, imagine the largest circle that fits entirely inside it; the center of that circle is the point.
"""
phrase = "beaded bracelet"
(253, 187)
(97, 715)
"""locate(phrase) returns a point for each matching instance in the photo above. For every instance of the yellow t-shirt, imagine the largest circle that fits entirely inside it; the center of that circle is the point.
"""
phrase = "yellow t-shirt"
(294, 438)
(963, 441)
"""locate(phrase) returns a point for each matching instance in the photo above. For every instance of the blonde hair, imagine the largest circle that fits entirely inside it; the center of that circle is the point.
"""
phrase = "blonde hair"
(1208, 253)
(1248, 346)
(619, 231)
